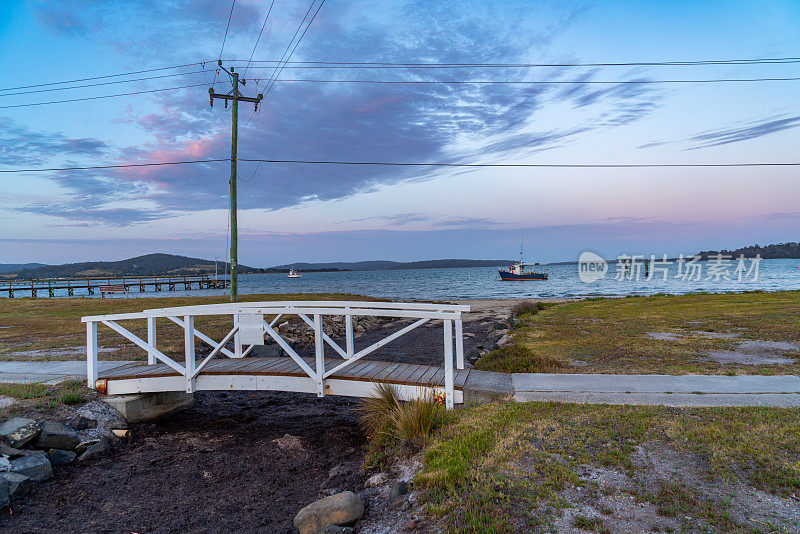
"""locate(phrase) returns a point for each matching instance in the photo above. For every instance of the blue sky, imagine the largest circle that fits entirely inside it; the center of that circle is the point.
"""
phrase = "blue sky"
(294, 213)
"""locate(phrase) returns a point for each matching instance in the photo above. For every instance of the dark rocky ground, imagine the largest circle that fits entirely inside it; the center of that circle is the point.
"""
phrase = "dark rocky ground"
(216, 466)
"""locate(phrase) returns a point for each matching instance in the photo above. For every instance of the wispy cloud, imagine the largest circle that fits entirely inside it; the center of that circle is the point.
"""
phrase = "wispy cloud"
(732, 134)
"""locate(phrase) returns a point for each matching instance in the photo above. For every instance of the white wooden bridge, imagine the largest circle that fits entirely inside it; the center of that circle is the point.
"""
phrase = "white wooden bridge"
(348, 373)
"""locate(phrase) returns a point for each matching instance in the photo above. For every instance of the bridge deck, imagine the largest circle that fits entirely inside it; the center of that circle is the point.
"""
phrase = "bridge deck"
(281, 373)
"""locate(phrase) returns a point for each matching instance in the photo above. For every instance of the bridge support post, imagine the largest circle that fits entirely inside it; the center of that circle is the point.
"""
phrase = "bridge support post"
(448, 364)
(152, 340)
(91, 353)
(319, 350)
(237, 339)
(348, 328)
(459, 344)
(188, 342)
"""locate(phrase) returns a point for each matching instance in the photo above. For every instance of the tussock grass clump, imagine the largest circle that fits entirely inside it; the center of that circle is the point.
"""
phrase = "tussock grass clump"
(377, 411)
(594, 524)
(415, 421)
(390, 422)
(528, 307)
(519, 358)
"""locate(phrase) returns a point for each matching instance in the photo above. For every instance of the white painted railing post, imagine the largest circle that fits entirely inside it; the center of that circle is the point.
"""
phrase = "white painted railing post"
(151, 340)
(448, 364)
(348, 329)
(188, 342)
(91, 353)
(319, 350)
(237, 340)
(459, 343)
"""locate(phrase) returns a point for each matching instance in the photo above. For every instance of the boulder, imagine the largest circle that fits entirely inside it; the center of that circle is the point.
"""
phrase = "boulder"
(57, 436)
(339, 509)
(98, 449)
(18, 484)
(19, 431)
(61, 457)
(36, 466)
(399, 488)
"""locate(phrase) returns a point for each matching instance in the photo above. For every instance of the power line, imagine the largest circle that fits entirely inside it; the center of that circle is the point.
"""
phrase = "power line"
(258, 38)
(418, 164)
(537, 82)
(290, 44)
(225, 38)
(388, 64)
(104, 83)
(368, 65)
(297, 44)
(107, 96)
(428, 82)
(103, 77)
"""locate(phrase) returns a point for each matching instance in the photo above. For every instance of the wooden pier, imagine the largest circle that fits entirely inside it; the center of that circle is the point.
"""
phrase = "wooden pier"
(109, 284)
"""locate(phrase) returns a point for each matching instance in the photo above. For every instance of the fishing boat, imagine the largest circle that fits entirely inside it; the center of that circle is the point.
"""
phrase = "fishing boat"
(518, 272)
(294, 274)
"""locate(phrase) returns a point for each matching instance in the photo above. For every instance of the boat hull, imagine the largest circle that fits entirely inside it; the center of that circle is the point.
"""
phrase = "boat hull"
(513, 277)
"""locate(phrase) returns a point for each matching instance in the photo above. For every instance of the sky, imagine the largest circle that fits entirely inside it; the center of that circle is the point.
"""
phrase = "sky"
(300, 212)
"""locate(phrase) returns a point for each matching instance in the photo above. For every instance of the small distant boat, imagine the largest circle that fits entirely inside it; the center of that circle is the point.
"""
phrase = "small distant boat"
(517, 271)
(294, 274)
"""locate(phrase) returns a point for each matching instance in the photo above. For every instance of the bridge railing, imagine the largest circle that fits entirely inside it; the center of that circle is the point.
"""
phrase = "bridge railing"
(250, 327)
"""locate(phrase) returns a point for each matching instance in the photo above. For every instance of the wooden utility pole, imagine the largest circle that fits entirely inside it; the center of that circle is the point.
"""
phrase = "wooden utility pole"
(234, 96)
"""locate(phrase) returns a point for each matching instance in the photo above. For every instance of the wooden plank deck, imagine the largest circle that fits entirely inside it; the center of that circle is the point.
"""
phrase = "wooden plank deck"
(362, 370)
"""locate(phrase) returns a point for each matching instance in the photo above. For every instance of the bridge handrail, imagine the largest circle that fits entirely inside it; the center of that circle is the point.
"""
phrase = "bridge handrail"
(184, 316)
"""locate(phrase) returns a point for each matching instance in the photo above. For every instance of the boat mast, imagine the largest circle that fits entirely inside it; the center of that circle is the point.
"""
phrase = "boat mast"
(521, 260)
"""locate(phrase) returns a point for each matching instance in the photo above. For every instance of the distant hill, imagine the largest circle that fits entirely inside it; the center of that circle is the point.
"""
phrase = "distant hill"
(383, 265)
(15, 267)
(789, 250)
(147, 265)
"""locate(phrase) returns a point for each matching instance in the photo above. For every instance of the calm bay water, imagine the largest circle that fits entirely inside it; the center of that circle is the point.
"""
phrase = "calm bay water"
(483, 283)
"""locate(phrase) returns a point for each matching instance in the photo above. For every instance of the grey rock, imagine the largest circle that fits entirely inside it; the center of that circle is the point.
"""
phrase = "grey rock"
(339, 509)
(18, 484)
(269, 351)
(377, 480)
(399, 488)
(80, 422)
(10, 452)
(19, 431)
(61, 457)
(5, 498)
(36, 466)
(57, 436)
(473, 355)
(340, 470)
(83, 445)
(336, 529)
(98, 449)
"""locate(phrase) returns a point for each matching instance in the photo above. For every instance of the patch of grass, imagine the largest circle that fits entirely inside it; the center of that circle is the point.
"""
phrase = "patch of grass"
(611, 334)
(676, 500)
(41, 396)
(594, 524)
(518, 358)
(529, 307)
(515, 458)
(27, 390)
